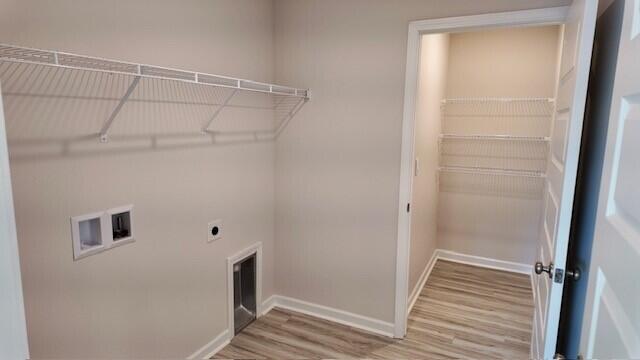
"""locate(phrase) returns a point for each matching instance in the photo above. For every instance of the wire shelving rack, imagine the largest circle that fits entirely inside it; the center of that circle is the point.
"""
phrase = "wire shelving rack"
(496, 146)
(524, 117)
(497, 152)
(99, 97)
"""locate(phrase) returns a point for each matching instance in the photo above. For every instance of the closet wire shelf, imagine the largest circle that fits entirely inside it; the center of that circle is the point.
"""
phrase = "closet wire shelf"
(517, 117)
(494, 152)
(481, 181)
(495, 146)
(95, 92)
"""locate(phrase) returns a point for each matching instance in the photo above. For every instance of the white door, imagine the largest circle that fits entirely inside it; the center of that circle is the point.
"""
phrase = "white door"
(611, 326)
(13, 330)
(566, 133)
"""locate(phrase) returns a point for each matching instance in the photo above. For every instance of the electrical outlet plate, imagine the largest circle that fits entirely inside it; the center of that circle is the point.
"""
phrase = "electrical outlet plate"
(214, 230)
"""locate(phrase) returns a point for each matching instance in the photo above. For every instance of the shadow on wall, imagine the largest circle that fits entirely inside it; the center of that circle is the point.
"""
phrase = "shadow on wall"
(58, 112)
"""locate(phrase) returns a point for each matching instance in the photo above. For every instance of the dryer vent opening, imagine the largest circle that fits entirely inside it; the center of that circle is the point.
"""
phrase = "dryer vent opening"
(244, 292)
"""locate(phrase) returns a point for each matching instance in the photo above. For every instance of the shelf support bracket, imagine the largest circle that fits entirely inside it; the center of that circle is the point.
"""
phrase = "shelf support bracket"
(218, 111)
(104, 132)
(290, 116)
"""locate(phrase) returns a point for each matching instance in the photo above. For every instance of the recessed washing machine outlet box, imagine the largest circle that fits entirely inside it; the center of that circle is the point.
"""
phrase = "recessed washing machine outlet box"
(88, 235)
(214, 230)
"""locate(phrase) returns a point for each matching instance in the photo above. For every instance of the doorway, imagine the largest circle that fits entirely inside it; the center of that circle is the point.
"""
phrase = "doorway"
(485, 104)
(542, 174)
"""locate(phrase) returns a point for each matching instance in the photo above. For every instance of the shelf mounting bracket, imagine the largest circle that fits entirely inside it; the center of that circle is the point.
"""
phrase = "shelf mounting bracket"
(104, 132)
(290, 116)
(218, 111)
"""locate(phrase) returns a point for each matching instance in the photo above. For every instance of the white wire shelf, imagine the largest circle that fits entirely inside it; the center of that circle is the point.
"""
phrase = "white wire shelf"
(495, 137)
(492, 171)
(467, 100)
(494, 152)
(492, 182)
(518, 117)
(93, 92)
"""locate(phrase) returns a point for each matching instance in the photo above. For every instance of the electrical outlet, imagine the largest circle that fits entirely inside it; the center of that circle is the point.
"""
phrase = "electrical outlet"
(214, 231)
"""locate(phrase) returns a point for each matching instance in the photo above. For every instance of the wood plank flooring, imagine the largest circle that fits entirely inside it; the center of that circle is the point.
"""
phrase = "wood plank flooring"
(462, 312)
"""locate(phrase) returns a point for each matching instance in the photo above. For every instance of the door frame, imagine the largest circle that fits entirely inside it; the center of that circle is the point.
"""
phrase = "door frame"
(13, 332)
(535, 17)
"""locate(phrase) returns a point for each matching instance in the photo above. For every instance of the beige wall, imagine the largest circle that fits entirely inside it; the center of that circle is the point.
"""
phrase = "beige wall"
(432, 85)
(336, 176)
(338, 162)
(163, 296)
(520, 62)
(516, 62)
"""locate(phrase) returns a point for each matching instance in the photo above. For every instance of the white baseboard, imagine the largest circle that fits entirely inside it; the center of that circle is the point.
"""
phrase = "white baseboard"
(358, 321)
(269, 304)
(415, 293)
(215, 345)
(335, 315)
(485, 262)
(469, 260)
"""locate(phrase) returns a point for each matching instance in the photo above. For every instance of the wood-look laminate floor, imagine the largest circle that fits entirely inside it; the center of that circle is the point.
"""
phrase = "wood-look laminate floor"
(462, 312)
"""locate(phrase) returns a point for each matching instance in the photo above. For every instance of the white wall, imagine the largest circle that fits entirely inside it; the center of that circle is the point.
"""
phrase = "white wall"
(432, 85)
(13, 327)
(163, 296)
(520, 62)
(338, 162)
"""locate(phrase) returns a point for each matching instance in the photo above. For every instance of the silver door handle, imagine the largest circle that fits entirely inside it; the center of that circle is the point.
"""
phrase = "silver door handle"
(574, 274)
(539, 268)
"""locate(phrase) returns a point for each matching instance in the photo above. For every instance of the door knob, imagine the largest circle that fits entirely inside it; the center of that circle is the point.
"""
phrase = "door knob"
(539, 268)
(574, 274)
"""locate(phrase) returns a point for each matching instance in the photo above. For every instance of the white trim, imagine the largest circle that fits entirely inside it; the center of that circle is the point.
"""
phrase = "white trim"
(331, 314)
(215, 345)
(225, 337)
(484, 262)
(422, 281)
(440, 254)
(354, 320)
(534, 287)
(584, 12)
(268, 304)
(546, 16)
(13, 327)
(320, 311)
(253, 249)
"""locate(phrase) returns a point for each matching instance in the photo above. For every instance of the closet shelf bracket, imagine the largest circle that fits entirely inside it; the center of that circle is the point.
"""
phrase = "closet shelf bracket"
(290, 115)
(104, 132)
(205, 128)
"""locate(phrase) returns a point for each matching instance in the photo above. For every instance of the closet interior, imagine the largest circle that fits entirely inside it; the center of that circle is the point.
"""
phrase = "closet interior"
(482, 143)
